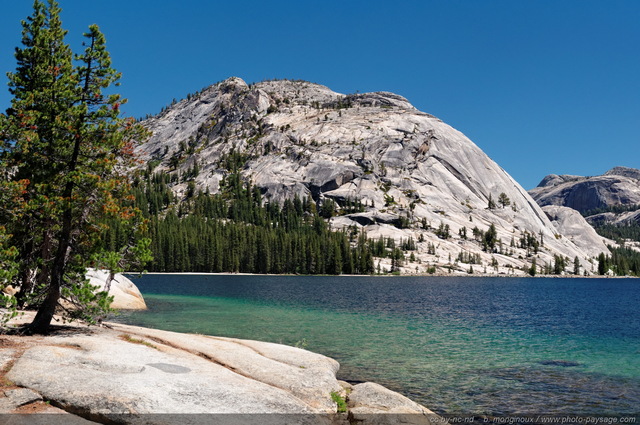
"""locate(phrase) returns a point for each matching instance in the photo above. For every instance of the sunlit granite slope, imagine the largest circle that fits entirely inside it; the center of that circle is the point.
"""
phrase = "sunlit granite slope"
(413, 172)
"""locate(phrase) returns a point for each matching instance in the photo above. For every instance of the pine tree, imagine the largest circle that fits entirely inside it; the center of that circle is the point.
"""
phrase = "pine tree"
(504, 200)
(603, 264)
(66, 141)
(490, 203)
(490, 238)
(533, 269)
(8, 253)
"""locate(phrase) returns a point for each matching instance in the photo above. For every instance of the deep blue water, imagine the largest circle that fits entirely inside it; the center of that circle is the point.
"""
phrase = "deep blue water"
(457, 345)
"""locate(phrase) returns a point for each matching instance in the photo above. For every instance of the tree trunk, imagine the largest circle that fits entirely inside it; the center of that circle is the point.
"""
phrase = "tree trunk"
(47, 309)
(43, 318)
(42, 321)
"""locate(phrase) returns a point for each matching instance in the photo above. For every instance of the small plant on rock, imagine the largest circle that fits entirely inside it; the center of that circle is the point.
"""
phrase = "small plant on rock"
(340, 402)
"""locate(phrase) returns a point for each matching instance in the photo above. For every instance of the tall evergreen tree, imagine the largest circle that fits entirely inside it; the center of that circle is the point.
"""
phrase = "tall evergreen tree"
(490, 203)
(64, 138)
(490, 238)
(533, 269)
(603, 264)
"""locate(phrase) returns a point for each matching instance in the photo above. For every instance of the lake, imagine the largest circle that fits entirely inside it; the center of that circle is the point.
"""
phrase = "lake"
(468, 345)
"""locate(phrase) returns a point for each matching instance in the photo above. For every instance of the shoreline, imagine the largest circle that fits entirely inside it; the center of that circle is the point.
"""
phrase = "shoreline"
(459, 275)
(153, 372)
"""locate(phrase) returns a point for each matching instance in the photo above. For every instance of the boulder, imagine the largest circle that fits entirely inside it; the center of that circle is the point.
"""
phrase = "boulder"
(376, 404)
(9, 290)
(126, 295)
(18, 397)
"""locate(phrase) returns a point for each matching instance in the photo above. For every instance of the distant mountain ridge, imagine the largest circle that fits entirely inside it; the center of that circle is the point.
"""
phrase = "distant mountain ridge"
(416, 176)
(618, 190)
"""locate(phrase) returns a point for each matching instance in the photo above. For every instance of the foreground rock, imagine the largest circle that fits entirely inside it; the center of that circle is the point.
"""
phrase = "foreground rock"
(129, 374)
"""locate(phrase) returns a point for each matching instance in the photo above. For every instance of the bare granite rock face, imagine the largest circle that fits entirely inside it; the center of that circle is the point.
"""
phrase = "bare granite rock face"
(412, 172)
(619, 186)
(617, 190)
(628, 172)
(571, 224)
(128, 374)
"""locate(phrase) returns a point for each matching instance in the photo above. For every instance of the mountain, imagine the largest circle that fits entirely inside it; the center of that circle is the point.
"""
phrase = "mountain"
(619, 186)
(412, 176)
(613, 197)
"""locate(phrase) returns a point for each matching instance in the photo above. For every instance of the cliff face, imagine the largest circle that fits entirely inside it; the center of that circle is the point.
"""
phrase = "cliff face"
(413, 172)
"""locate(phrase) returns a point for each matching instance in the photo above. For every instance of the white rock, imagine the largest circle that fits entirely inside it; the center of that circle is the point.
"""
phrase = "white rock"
(379, 405)
(133, 371)
(126, 295)
(570, 224)
(308, 376)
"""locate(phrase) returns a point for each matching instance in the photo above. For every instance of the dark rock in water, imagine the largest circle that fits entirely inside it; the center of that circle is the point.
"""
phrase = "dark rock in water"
(354, 381)
(561, 363)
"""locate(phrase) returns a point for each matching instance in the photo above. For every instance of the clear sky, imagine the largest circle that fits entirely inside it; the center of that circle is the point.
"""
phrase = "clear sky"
(541, 86)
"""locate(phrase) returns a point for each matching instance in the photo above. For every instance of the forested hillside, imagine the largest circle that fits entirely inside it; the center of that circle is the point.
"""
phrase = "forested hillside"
(624, 259)
(363, 162)
(233, 231)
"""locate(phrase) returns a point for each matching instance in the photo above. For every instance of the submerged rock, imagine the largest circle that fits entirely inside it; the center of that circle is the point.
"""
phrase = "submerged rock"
(563, 390)
(561, 363)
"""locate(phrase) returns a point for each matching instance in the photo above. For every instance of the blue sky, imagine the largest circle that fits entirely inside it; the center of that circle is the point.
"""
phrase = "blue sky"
(541, 86)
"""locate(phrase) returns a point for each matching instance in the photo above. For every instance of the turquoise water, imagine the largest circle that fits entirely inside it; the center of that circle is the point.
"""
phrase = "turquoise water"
(457, 345)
